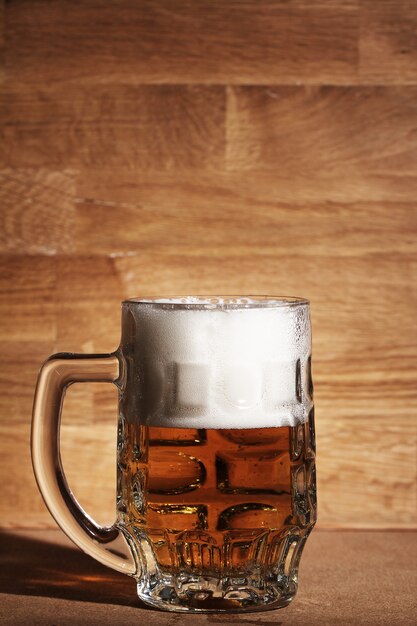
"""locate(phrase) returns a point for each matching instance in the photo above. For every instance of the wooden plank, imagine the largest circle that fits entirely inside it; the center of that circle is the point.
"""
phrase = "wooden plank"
(37, 211)
(367, 472)
(88, 297)
(150, 127)
(2, 39)
(43, 212)
(377, 381)
(199, 42)
(27, 291)
(349, 281)
(140, 213)
(125, 190)
(388, 42)
(322, 129)
(353, 285)
(364, 479)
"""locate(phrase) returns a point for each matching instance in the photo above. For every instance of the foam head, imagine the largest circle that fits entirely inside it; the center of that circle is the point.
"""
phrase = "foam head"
(234, 362)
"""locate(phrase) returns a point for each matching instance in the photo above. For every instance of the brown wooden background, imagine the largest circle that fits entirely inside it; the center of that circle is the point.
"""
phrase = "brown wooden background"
(246, 146)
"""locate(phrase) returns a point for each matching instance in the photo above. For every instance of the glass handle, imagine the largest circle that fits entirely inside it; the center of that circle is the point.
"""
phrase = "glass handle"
(106, 544)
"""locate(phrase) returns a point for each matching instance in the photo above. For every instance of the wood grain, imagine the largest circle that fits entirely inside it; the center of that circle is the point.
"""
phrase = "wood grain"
(87, 304)
(151, 127)
(314, 129)
(37, 211)
(388, 42)
(199, 42)
(254, 147)
(27, 292)
(361, 494)
(140, 213)
(97, 186)
(2, 40)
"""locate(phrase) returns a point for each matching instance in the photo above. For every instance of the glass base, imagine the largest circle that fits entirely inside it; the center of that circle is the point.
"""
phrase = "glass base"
(195, 594)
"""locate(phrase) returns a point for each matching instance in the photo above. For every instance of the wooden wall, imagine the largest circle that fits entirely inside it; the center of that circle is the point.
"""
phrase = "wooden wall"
(252, 146)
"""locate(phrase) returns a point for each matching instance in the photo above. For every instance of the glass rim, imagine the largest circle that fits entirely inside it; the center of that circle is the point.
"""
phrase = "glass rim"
(198, 302)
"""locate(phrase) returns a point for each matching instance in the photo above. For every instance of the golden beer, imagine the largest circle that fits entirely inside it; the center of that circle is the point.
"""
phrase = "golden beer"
(227, 504)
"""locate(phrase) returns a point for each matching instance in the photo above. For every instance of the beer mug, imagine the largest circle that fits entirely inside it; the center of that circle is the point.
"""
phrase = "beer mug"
(216, 489)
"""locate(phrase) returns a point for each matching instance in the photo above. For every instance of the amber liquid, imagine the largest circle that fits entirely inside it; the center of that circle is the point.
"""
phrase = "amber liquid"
(216, 501)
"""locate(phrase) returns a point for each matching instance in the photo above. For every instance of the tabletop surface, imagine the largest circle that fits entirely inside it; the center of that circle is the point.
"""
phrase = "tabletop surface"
(346, 577)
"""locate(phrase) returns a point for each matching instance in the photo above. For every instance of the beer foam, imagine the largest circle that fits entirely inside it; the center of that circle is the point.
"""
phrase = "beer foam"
(232, 362)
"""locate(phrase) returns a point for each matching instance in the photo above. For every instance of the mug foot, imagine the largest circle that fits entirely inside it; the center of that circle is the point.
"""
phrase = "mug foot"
(207, 595)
